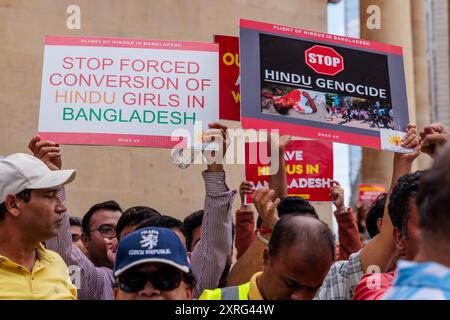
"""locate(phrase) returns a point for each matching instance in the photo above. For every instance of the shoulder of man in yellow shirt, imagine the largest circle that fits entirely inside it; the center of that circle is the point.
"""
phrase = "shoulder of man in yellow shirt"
(48, 280)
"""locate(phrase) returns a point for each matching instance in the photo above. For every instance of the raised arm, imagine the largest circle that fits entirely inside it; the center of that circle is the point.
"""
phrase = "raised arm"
(433, 137)
(343, 276)
(278, 179)
(252, 260)
(210, 254)
(245, 221)
(349, 241)
(379, 251)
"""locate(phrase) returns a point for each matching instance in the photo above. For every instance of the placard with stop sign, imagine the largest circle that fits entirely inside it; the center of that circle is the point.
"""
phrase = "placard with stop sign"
(324, 60)
(322, 86)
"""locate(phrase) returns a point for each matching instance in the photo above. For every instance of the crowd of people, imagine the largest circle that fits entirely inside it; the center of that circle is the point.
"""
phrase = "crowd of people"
(286, 253)
(365, 111)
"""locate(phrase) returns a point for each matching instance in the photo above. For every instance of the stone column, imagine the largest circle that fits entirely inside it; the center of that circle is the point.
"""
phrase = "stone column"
(396, 29)
(421, 83)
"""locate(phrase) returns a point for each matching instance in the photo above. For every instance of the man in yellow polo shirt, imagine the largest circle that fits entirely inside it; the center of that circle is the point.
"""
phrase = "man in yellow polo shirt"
(31, 213)
(299, 255)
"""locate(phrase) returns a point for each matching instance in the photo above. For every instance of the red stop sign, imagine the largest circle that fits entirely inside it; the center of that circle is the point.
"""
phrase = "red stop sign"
(324, 60)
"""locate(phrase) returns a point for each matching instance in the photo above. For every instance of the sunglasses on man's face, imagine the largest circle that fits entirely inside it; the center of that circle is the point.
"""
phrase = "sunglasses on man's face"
(106, 230)
(162, 280)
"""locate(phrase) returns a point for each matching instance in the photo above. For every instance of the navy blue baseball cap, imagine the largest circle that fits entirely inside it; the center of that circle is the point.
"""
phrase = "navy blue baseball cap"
(151, 245)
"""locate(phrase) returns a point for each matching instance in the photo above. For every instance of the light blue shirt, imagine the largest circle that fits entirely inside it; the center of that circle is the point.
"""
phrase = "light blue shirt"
(420, 281)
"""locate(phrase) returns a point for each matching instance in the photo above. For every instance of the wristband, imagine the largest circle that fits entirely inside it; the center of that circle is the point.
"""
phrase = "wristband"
(261, 238)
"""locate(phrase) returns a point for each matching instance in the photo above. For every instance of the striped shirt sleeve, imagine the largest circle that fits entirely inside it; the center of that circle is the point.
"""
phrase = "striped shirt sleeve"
(94, 283)
(210, 254)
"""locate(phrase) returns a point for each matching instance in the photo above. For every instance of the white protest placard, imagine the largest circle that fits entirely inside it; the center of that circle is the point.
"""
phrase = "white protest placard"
(127, 92)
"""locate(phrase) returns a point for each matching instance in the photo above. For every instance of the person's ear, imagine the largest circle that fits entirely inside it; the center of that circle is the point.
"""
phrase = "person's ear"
(266, 258)
(189, 293)
(12, 205)
(399, 241)
(85, 240)
(379, 223)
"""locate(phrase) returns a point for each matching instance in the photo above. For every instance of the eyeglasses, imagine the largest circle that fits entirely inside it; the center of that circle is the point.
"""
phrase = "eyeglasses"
(162, 280)
(106, 230)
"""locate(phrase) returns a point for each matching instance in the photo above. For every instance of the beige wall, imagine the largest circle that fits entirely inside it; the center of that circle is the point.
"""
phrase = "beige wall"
(131, 176)
(421, 83)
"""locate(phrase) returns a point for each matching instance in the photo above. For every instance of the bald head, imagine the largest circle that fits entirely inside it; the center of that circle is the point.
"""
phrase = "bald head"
(311, 236)
(299, 256)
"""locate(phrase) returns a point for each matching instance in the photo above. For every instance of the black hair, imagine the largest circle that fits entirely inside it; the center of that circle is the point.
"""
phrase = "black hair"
(296, 205)
(25, 195)
(107, 205)
(75, 221)
(190, 279)
(433, 199)
(191, 222)
(310, 232)
(293, 205)
(405, 189)
(163, 222)
(2, 211)
(133, 216)
(374, 213)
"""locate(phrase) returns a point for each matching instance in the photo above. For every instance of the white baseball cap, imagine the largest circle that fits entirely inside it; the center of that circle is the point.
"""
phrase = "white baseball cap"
(21, 171)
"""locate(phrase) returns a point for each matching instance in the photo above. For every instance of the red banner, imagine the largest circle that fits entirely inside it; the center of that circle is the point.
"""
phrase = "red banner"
(229, 84)
(368, 192)
(309, 168)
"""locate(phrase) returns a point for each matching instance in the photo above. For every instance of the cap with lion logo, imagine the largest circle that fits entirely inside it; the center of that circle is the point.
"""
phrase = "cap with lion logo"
(151, 245)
